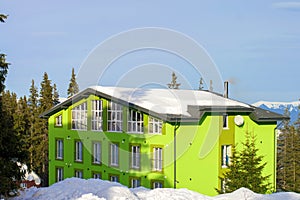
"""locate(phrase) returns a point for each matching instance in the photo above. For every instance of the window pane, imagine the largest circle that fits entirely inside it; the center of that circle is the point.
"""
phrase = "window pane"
(157, 159)
(59, 149)
(79, 117)
(135, 122)
(96, 153)
(155, 125)
(97, 115)
(114, 155)
(114, 113)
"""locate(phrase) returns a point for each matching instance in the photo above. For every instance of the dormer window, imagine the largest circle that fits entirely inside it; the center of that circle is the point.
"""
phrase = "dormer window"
(79, 117)
(135, 122)
(114, 117)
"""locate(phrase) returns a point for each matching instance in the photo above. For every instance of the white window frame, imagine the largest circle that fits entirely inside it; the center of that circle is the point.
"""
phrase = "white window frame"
(59, 149)
(155, 125)
(157, 184)
(97, 175)
(157, 159)
(135, 156)
(135, 122)
(114, 117)
(59, 174)
(114, 154)
(79, 173)
(97, 110)
(226, 154)
(225, 121)
(78, 151)
(79, 117)
(58, 120)
(135, 182)
(96, 153)
(114, 178)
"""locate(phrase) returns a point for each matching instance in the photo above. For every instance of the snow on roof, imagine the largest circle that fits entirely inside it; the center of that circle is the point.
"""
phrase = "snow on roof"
(96, 189)
(168, 101)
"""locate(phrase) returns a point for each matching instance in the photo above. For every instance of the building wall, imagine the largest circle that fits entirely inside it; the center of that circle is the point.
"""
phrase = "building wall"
(198, 150)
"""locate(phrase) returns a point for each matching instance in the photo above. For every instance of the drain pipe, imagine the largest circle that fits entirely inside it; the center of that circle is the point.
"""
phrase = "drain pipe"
(176, 126)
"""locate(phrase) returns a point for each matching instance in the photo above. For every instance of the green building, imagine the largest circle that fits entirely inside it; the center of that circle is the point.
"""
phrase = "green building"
(154, 137)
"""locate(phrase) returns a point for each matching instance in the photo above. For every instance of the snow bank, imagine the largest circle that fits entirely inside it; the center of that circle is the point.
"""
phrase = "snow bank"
(96, 189)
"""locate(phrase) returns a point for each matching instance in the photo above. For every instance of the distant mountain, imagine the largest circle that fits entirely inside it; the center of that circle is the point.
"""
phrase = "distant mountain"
(280, 107)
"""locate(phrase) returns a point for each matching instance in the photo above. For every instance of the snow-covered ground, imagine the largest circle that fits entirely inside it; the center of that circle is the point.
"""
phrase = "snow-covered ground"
(96, 189)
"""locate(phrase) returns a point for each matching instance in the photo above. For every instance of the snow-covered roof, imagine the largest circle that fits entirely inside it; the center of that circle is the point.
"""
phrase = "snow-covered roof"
(167, 101)
(186, 104)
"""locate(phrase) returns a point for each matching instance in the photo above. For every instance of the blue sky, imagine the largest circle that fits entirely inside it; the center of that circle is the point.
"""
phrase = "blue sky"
(254, 44)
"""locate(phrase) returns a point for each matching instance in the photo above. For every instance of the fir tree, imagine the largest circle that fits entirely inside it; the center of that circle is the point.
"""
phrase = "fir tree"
(73, 86)
(34, 122)
(55, 95)
(174, 84)
(288, 163)
(246, 169)
(3, 18)
(201, 83)
(11, 150)
(40, 139)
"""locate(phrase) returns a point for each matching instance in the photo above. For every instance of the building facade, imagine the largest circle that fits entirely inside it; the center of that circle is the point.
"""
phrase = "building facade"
(154, 137)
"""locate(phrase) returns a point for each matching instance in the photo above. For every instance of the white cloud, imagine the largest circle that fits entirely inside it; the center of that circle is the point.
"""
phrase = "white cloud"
(292, 6)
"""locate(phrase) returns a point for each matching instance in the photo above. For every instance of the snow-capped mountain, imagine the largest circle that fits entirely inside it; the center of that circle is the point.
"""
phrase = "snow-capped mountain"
(280, 107)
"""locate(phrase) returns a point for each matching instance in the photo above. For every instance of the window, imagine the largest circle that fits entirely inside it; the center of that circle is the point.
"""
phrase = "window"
(135, 182)
(114, 118)
(96, 152)
(157, 184)
(97, 175)
(155, 125)
(135, 157)
(97, 115)
(157, 159)
(59, 174)
(114, 155)
(59, 149)
(114, 178)
(58, 120)
(135, 122)
(78, 173)
(226, 153)
(79, 117)
(225, 121)
(78, 151)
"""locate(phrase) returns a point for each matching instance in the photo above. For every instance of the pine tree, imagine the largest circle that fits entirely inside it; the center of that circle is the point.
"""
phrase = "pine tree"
(73, 86)
(201, 83)
(174, 84)
(246, 169)
(3, 18)
(11, 150)
(34, 122)
(41, 149)
(288, 162)
(55, 95)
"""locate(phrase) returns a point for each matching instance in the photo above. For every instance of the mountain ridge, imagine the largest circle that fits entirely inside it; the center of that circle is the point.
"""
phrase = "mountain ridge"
(280, 107)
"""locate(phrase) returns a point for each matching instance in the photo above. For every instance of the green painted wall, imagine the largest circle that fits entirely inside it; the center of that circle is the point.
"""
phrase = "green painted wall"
(198, 164)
